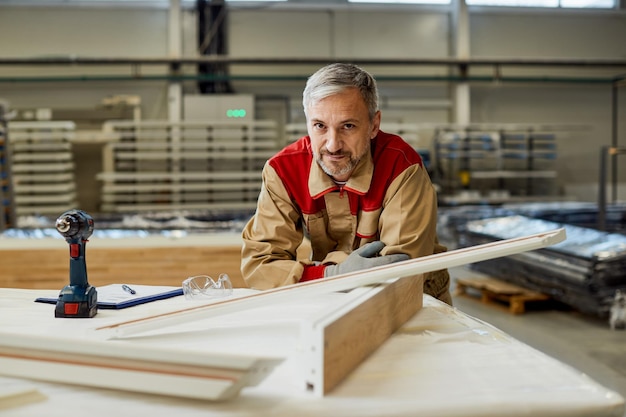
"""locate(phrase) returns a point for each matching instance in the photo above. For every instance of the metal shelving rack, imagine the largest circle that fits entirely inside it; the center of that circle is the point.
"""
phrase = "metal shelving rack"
(494, 166)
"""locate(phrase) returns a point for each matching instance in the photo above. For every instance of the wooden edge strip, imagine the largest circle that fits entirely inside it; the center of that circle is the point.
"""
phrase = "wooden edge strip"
(122, 366)
(132, 365)
(336, 283)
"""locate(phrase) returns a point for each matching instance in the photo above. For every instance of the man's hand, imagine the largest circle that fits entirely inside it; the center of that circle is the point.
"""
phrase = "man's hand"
(364, 257)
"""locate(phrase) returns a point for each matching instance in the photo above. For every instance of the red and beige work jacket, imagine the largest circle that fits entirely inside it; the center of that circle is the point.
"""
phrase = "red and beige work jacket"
(304, 220)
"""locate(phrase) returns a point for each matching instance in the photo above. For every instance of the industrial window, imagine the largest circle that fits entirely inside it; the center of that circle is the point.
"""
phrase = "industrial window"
(579, 4)
(402, 1)
(572, 4)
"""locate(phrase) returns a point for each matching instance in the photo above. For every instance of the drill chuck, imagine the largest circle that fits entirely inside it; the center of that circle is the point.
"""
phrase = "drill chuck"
(75, 225)
(63, 225)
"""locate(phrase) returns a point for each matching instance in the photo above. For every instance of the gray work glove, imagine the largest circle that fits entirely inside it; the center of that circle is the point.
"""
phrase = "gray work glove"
(363, 258)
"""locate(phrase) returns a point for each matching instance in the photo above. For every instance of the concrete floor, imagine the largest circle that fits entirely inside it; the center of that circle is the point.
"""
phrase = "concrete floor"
(583, 342)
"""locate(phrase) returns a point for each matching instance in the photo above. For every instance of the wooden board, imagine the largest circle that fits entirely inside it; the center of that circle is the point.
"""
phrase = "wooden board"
(340, 282)
(492, 290)
(338, 342)
(49, 268)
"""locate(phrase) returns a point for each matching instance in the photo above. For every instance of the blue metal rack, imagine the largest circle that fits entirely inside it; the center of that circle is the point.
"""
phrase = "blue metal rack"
(7, 201)
(498, 164)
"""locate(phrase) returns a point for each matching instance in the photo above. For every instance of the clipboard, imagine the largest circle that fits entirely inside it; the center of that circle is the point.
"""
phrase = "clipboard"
(114, 297)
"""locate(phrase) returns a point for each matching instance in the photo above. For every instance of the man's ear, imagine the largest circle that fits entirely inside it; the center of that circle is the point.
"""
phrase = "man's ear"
(375, 125)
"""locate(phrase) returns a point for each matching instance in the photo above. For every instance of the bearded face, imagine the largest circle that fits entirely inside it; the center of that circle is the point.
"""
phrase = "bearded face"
(341, 132)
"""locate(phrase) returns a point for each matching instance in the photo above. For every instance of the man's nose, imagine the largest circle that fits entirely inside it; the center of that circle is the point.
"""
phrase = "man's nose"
(333, 143)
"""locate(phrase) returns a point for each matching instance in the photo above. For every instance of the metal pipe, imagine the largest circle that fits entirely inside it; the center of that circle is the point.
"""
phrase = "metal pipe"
(274, 78)
(552, 62)
(604, 151)
(614, 144)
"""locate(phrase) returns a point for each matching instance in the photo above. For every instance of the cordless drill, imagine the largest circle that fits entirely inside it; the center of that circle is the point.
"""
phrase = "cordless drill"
(78, 299)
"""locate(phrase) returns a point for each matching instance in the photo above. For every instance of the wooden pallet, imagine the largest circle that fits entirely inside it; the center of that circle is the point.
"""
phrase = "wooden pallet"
(491, 290)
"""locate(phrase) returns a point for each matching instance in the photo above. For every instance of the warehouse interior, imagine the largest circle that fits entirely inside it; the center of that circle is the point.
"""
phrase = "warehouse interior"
(157, 117)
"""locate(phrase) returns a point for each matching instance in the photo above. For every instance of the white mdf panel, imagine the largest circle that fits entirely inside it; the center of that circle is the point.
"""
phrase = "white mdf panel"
(44, 180)
(198, 165)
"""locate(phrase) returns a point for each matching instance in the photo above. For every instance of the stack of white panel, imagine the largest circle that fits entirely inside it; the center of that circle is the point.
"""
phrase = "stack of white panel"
(189, 165)
(42, 167)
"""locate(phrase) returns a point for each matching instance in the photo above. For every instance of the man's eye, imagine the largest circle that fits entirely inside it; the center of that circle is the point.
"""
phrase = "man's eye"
(318, 126)
(348, 126)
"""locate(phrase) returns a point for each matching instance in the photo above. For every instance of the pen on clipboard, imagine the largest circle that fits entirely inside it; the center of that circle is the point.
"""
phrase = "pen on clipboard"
(128, 289)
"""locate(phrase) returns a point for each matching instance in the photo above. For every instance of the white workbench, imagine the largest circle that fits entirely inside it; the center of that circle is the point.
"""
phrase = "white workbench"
(441, 363)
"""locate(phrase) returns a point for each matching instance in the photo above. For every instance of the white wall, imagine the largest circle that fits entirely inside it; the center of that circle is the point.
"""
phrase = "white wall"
(546, 33)
(342, 33)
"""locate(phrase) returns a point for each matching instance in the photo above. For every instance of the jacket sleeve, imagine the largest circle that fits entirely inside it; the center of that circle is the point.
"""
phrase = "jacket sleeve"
(408, 224)
(272, 237)
(408, 221)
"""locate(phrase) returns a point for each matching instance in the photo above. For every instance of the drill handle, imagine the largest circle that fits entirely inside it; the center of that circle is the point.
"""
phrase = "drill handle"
(78, 266)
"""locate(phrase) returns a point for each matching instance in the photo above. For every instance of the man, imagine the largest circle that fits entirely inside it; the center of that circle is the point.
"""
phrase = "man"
(358, 196)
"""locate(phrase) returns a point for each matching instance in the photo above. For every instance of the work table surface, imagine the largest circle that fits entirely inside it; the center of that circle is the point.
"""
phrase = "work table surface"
(442, 362)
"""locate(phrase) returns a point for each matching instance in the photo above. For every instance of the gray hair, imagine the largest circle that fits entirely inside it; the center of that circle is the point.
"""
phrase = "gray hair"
(334, 78)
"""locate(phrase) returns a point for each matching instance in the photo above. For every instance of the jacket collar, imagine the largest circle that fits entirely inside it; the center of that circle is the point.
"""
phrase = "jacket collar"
(359, 182)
